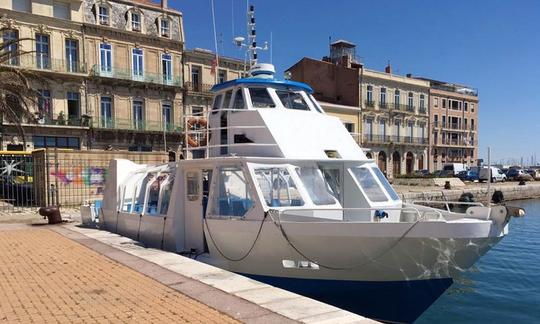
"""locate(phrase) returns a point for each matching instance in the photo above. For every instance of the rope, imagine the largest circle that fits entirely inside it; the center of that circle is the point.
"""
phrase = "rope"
(250, 249)
(284, 234)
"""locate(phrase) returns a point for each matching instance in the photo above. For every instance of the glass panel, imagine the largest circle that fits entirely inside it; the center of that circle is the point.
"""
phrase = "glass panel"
(393, 194)
(239, 100)
(141, 194)
(260, 98)
(217, 102)
(129, 191)
(227, 99)
(39, 141)
(166, 193)
(332, 176)
(369, 184)
(135, 21)
(315, 104)
(192, 186)
(153, 194)
(278, 188)
(233, 198)
(292, 100)
(319, 191)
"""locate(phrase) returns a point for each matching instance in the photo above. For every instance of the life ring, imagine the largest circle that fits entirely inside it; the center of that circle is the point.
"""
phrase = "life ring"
(196, 124)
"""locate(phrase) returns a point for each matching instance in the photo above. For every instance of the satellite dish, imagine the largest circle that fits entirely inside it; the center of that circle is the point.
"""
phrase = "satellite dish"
(239, 40)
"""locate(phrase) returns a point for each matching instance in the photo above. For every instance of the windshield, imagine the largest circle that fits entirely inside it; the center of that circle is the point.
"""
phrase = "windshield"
(368, 184)
(292, 100)
(393, 194)
(278, 187)
(319, 191)
(260, 98)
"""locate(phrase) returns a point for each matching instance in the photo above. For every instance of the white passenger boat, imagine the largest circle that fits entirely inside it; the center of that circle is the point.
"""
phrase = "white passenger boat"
(282, 193)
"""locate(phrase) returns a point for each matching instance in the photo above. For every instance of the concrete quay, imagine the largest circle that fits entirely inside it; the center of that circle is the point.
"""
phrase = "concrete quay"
(69, 274)
(510, 190)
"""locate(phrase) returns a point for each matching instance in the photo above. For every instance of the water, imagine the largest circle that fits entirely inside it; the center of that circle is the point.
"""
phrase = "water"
(504, 286)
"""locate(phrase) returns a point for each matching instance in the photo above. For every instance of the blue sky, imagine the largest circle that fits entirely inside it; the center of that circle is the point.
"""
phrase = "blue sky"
(492, 45)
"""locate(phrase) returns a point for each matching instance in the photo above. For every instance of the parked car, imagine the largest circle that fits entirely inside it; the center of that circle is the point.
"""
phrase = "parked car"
(535, 173)
(443, 174)
(496, 175)
(470, 175)
(421, 173)
(456, 167)
(517, 174)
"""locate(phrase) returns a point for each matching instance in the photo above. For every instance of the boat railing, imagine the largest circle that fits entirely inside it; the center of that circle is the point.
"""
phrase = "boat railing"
(447, 204)
(206, 131)
(421, 214)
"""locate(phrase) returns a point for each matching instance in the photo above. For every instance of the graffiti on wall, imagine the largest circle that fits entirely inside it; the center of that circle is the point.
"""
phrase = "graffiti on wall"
(88, 176)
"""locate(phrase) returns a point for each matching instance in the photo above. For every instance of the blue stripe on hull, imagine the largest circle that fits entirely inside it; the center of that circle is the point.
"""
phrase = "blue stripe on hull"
(392, 301)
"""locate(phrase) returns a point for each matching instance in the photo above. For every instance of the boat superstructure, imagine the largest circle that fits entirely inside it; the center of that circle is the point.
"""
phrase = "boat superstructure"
(282, 193)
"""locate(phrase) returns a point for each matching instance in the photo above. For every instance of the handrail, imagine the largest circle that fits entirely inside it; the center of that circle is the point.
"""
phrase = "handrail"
(410, 208)
(446, 203)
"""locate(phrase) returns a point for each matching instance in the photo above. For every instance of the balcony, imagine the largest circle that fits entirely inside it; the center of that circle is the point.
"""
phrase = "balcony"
(44, 63)
(59, 121)
(456, 143)
(369, 104)
(376, 138)
(395, 139)
(126, 74)
(198, 87)
(402, 107)
(129, 124)
(453, 127)
(383, 105)
(422, 110)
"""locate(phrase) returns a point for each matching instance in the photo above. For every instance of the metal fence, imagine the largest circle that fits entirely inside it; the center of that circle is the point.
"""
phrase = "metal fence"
(59, 176)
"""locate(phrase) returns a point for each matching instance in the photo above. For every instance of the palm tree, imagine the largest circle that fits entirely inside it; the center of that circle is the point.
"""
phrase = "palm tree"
(16, 94)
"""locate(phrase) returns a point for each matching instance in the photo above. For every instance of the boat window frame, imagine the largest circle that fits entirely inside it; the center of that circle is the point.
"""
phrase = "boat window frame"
(160, 193)
(214, 192)
(133, 179)
(369, 167)
(271, 94)
(297, 92)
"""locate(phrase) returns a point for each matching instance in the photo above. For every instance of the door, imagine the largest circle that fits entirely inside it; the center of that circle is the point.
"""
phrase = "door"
(193, 211)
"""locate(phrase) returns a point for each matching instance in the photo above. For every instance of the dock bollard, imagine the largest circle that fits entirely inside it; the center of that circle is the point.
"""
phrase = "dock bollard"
(447, 185)
(52, 213)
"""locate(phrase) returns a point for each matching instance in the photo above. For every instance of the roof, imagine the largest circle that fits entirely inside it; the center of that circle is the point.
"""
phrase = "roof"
(342, 41)
(261, 81)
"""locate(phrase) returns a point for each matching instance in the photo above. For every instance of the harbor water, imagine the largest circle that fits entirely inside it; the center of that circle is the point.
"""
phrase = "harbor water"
(504, 286)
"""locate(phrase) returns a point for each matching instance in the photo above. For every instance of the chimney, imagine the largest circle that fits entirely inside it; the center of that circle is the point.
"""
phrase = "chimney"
(409, 75)
(388, 68)
(163, 4)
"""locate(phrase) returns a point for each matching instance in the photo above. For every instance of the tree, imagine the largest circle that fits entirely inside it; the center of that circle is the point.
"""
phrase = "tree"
(16, 94)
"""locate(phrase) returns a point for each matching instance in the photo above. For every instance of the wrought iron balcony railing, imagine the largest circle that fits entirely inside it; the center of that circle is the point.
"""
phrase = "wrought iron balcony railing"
(135, 125)
(198, 87)
(126, 74)
(45, 63)
(370, 103)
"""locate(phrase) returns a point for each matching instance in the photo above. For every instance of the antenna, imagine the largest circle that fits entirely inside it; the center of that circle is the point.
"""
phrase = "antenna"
(271, 49)
(251, 45)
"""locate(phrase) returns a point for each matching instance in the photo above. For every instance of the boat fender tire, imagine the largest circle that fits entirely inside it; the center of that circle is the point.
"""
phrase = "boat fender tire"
(497, 197)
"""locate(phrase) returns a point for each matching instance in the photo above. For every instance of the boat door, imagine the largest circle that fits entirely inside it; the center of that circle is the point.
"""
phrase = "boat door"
(193, 210)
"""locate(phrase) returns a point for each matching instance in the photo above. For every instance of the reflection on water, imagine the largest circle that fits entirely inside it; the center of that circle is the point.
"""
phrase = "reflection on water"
(504, 286)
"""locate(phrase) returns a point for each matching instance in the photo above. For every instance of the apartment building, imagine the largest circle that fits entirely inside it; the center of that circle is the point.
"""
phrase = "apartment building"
(395, 121)
(386, 113)
(453, 124)
(111, 73)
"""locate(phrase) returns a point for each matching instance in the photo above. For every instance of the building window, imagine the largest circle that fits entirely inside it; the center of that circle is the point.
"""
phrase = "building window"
(42, 51)
(349, 126)
(465, 106)
(444, 103)
(105, 58)
(397, 130)
(166, 112)
(138, 63)
(166, 68)
(106, 120)
(135, 21)
(436, 102)
(164, 27)
(103, 15)
(410, 101)
(369, 95)
(11, 35)
(382, 99)
(197, 110)
(138, 115)
(472, 124)
(56, 141)
(195, 78)
(411, 130)
(74, 107)
(222, 76)
(472, 107)
(443, 121)
(422, 102)
(22, 5)
(72, 55)
(396, 97)
(61, 10)
(44, 104)
(436, 120)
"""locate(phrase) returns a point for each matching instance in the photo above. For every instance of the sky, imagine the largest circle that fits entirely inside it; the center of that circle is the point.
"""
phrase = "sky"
(492, 45)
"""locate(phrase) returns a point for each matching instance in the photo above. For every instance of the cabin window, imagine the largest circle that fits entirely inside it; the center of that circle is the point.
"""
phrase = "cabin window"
(166, 194)
(369, 185)
(129, 192)
(292, 100)
(319, 191)
(192, 186)
(260, 98)
(154, 189)
(238, 100)
(393, 194)
(227, 99)
(141, 193)
(233, 198)
(278, 187)
(217, 102)
(315, 104)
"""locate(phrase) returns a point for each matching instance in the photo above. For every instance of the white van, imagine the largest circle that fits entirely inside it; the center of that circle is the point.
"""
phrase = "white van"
(456, 167)
(496, 174)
